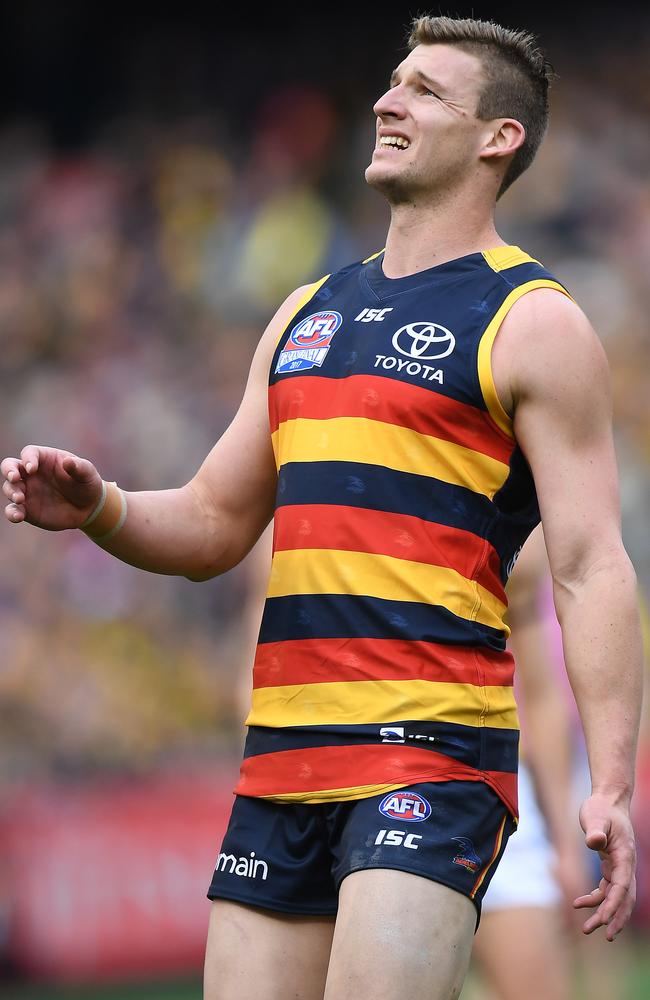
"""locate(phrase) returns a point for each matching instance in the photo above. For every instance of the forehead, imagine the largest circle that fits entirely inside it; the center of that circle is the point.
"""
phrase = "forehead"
(457, 71)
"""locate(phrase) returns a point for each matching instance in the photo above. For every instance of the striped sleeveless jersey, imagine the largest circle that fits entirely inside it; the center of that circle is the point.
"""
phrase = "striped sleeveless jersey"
(402, 502)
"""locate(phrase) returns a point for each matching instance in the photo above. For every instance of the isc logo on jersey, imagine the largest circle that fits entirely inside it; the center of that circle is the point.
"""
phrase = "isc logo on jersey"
(309, 342)
(407, 807)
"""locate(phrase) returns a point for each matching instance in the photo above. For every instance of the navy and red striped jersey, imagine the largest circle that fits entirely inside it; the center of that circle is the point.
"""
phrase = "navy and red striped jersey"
(402, 501)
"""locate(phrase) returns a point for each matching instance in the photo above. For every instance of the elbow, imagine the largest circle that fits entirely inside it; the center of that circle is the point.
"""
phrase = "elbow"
(208, 556)
(613, 566)
(207, 569)
(198, 577)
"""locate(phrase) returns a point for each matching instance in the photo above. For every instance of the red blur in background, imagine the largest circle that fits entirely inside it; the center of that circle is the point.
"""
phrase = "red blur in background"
(110, 883)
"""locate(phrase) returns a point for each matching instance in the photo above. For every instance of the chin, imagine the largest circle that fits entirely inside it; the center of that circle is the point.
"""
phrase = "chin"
(390, 183)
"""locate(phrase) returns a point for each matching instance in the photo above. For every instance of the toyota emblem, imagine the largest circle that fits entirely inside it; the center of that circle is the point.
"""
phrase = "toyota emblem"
(424, 341)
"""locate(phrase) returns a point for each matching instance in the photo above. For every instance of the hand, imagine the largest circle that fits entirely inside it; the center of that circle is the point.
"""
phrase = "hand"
(608, 830)
(50, 488)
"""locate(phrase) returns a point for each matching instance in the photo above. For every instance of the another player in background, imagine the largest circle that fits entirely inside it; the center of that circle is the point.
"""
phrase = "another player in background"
(524, 946)
(426, 404)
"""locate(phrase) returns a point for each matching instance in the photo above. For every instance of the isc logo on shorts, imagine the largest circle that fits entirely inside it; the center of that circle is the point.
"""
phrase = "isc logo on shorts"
(407, 807)
(398, 838)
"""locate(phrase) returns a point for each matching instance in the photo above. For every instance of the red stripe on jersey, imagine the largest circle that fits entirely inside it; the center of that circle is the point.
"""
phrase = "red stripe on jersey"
(324, 661)
(392, 401)
(356, 529)
(313, 769)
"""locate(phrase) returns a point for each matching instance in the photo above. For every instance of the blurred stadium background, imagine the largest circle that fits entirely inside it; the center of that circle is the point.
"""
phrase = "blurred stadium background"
(165, 180)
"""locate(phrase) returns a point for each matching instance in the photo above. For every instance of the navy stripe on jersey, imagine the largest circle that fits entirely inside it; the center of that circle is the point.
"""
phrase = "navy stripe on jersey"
(463, 743)
(375, 487)
(329, 616)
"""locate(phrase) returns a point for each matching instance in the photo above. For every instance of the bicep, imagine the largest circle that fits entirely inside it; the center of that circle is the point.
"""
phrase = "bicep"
(562, 421)
(237, 480)
(238, 474)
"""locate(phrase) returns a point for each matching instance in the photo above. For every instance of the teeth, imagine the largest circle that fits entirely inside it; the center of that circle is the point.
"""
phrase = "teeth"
(394, 140)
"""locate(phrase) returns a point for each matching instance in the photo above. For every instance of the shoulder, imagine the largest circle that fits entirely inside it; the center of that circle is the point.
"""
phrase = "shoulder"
(316, 290)
(546, 344)
(276, 327)
(289, 308)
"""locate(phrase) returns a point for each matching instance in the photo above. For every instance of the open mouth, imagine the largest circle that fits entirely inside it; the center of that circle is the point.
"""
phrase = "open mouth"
(393, 142)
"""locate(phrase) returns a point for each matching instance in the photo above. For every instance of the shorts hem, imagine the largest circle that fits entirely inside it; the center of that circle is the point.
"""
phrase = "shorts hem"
(273, 904)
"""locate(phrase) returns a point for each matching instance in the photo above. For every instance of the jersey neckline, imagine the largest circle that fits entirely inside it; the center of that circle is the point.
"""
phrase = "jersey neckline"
(383, 285)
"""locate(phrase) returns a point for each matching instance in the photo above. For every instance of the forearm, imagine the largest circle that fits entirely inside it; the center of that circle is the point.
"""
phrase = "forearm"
(602, 648)
(172, 532)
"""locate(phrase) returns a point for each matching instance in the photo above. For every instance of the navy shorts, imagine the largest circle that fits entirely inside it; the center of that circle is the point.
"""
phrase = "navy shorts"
(293, 858)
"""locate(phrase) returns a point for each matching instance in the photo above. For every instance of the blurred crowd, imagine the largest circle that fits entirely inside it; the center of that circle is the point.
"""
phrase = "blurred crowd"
(136, 275)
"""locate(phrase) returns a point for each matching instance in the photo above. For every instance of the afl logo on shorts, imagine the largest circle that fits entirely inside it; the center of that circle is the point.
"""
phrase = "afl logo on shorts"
(309, 342)
(407, 807)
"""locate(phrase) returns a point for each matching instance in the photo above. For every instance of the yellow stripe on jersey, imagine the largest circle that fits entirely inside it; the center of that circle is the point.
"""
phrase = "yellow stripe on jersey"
(309, 293)
(501, 258)
(335, 571)
(372, 442)
(360, 703)
(501, 418)
(373, 256)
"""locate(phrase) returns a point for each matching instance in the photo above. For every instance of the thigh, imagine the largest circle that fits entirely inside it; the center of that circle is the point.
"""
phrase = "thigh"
(255, 954)
(412, 867)
(274, 903)
(399, 935)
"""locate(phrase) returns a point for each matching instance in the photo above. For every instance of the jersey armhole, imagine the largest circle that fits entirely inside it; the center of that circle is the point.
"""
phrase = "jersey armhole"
(308, 294)
(495, 408)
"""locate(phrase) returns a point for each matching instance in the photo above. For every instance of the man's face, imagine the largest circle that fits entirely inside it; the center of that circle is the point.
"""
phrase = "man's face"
(428, 136)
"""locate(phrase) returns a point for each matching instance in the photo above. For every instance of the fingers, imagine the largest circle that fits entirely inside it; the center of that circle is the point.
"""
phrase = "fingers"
(615, 903)
(623, 913)
(15, 513)
(30, 456)
(14, 489)
(12, 469)
(613, 913)
(593, 898)
(15, 470)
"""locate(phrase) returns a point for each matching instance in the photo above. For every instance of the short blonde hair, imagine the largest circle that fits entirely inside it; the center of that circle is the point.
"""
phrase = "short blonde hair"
(517, 76)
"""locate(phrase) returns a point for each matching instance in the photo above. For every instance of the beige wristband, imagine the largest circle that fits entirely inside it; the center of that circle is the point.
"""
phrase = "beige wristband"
(108, 516)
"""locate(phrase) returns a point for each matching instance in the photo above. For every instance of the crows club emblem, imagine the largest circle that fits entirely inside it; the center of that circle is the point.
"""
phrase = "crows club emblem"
(466, 855)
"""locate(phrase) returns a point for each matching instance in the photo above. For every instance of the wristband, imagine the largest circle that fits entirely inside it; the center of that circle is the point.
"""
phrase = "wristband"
(109, 515)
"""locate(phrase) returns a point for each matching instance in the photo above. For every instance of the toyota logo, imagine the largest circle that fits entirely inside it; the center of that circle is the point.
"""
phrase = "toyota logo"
(424, 341)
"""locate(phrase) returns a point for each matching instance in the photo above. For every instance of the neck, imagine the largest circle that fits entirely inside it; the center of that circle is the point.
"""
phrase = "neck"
(422, 236)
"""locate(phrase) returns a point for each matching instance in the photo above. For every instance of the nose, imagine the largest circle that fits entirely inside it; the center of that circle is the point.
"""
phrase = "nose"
(391, 104)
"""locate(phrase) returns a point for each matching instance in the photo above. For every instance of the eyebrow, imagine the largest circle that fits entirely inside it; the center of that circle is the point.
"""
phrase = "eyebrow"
(394, 79)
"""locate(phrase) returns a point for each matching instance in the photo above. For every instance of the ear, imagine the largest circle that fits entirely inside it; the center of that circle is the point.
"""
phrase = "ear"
(504, 138)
